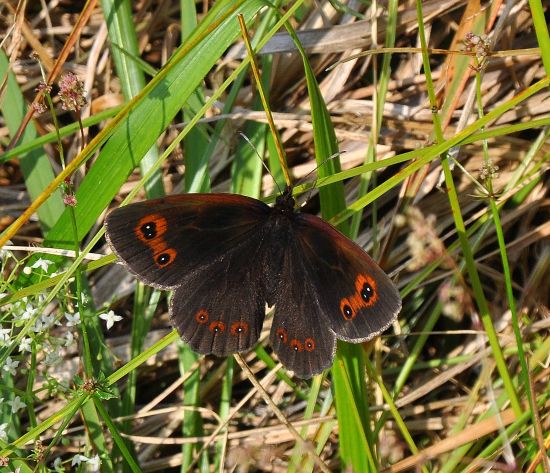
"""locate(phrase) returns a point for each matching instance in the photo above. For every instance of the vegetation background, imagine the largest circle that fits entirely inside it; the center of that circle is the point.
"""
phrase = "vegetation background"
(440, 110)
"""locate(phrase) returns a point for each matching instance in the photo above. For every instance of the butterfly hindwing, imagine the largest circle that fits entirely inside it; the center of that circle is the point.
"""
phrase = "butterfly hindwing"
(166, 240)
(220, 308)
(358, 300)
(299, 334)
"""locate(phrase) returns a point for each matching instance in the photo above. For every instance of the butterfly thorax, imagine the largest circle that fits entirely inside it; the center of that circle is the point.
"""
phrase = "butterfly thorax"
(285, 203)
(279, 231)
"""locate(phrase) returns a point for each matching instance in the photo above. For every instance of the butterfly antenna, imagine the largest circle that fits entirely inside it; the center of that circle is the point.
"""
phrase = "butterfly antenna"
(315, 169)
(266, 167)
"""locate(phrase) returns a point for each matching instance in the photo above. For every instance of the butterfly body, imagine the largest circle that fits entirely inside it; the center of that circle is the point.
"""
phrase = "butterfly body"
(225, 256)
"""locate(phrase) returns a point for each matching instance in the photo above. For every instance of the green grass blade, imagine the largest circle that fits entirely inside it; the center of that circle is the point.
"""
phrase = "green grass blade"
(382, 88)
(120, 26)
(541, 29)
(119, 441)
(72, 128)
(475, 281)
(92, 422)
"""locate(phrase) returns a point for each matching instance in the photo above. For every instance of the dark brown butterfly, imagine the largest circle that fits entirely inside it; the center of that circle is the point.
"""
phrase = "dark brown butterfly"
(225, 256)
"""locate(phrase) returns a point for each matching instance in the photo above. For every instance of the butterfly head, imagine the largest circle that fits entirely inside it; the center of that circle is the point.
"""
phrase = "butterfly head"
(285, 203)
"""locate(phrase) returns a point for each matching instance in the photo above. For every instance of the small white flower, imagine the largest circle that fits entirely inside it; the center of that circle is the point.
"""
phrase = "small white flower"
(5, 335)
(3, 251)
(10, 365)
(69, 339)
(72, 319)
(78, 459)
(25, 344)
(3, 433)
(27, 270)
(28, 312)
(16, 405)
(47, 320)
(38, 326)
(110, 318)
(57, 465)
(42, 263)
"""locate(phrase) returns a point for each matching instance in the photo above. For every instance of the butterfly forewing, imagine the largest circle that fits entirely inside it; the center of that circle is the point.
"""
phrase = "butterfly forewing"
(164, 241)
(359, 300)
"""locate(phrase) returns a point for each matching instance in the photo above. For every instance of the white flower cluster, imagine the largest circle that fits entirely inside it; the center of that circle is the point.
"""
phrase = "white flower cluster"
(25, 326)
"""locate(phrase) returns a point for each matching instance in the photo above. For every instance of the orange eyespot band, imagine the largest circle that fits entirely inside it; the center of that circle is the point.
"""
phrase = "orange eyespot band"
(149, 230)
(239, 327)
(282, 335)
(217, 326)
(201, 317)
(365, 296)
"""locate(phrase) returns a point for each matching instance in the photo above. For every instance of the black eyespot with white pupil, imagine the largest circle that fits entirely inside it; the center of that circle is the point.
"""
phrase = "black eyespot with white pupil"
(347, 311)
(163, 259)
(149, 230)
(367, 292)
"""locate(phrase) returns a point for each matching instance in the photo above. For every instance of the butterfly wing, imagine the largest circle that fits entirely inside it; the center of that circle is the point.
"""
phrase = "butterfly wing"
(166, 241)
(299, 334)
(358, 300)
(328, 288)
(221, 307)
(208, 247)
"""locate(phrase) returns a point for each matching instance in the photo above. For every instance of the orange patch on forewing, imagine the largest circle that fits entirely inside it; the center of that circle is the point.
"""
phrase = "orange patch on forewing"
(158, 246)
(239, 327)
(365, 283)
(346, 308)
(309, 344)
(282, 335)
(165, 257)
(365, 296)
(157, 221)
(201, 317)
(149, 231)
(217, 326)
(296, 345)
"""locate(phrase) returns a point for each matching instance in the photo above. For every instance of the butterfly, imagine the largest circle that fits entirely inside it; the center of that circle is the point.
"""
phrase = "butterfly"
(226, 256)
